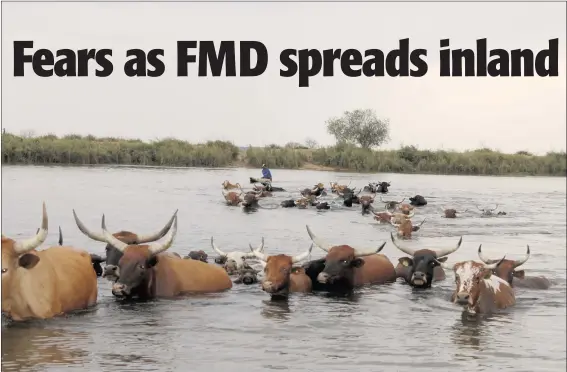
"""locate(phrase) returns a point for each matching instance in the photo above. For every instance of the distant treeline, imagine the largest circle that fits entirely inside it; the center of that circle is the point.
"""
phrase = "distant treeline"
(90, 150)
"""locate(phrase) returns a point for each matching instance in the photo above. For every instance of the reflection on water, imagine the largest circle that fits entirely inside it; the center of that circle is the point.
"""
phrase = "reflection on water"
(376, 328)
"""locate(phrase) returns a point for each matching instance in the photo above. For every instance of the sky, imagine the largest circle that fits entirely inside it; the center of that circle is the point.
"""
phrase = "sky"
(431, 112)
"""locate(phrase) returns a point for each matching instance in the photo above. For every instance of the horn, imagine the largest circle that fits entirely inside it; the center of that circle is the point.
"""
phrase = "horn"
(493, 209)
(318, 241)
(94, 236)
(359, 191)
(406, 250)
(26, 245)
(483, 258)
(411, 214)
(156, 248)
(259, 249)
(302, 256)
(394, 224)
(494, 265)
(447, 251)
(443, 209)
(349, 182)
(422, 222)
(368, 251)
(523, 261)
(401, 201)
(110, 239)
(445, 265)
(382, 200)
(216, 249)
(482, 210)
(463, 211)
(159, 234)
(257, 254)
(60, 236)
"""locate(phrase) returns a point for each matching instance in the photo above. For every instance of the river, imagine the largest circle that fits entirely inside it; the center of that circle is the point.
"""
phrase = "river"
(382, 328)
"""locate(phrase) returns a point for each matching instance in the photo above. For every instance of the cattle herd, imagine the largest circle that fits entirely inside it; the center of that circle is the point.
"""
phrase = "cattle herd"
(44, 283)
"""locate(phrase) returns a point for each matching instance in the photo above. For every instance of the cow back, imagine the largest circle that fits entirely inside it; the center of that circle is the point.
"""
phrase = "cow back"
(174, 276)
(377, 269)
(496, 294)
(299, 281)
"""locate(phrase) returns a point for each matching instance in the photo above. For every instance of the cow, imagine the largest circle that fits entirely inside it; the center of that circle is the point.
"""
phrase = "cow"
(506, 269)
(405, 266)
(335, 187)
(146, 273)
(250, 200)
(478, 290)
(317, 190)
(199, 255)
(418, 201)
(234, 261)
(113, 255)
(280, 277)
(349, 197)
(366, 203)
(229, 186)
(319, 205)
(421, 271)
(377, 187)
(406, 228)
(398, 217)
(302, 203)
(47, 283)
(288, 203)
(391, 204)
(451, 213)
(232, 198)
(405, 208)
(346, 267)
(382, 217)
(489, 212)
(247, 275)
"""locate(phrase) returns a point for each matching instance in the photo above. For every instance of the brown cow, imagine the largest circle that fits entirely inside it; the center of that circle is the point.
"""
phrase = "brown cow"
(478, 290)
(346, 267)
(280, 277)
(302, 203)
(47, 283)
(229, 186)
(147, 272)
(506, 270)
(452, 213)
(398, 217)
(405, 208)
(335, 187)
(112, 254)
(406, 228)
(382, 217)
(232, 198)
(421, 270)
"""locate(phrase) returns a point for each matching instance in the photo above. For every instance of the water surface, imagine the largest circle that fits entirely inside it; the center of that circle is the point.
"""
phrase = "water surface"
(381, 328)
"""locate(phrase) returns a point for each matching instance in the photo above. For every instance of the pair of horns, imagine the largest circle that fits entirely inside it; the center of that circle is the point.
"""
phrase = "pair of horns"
(439, 253)
(223, 254)
(489, 261)
(358, 252)
(258, 253)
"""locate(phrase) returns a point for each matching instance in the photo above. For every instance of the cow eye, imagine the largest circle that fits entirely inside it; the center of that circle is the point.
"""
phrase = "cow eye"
(344, 262)
(142, 267)
(4, 270)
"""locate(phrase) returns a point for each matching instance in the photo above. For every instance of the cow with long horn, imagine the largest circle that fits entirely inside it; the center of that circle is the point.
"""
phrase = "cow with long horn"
(41, 284)
(406, 228)
(280, 277)
(146, 271)
(232, 198)
(113, 255)
(477, 289)
(346, 267)
(366, 203)
(451, 212)
(391, 204)
(422, 263)
(487, 212)
(506, 269)
(226, 185)
(234, 261)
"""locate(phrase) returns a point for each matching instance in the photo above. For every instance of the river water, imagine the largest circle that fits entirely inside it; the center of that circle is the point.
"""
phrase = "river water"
(383, 328)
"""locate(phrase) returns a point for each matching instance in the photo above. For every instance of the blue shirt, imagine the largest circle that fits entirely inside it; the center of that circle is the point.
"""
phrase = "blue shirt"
(266, 173)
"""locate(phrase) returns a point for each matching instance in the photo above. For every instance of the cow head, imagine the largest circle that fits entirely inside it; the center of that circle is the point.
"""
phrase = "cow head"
(418, 200)
(468, 278)
(251, 198)
(366, 203)
(506, 269)
(423, 262)
(18, 256)
(247, 275)
(341, 261)
(137, 262)
(487, 211)
(277, 270)
(391, 204)
(383, 187)
(199, 255)
(233, 261)
(113, 254)
(232, 197)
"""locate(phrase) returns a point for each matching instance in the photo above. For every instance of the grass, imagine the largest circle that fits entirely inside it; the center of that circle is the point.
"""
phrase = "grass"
(89, 150)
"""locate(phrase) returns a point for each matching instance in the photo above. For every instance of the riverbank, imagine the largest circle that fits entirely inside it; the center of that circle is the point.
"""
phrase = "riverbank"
(90, 150)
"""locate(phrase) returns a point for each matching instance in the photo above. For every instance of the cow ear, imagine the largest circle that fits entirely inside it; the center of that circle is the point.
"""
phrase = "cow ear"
(357, 262)
(152, 261)
(28, 261)
(296, 270)
(487, 274)
(520, 274)
(405, 261)
(442, 259)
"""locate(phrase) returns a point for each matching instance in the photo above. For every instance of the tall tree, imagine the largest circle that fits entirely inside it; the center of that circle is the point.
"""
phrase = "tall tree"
(361, 127)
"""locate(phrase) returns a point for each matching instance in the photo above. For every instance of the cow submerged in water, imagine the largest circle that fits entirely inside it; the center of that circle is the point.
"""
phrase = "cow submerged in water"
(47, 283)
(145, 272)
(345, 267)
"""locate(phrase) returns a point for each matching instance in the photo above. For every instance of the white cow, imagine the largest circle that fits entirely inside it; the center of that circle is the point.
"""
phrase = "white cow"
(235, 260)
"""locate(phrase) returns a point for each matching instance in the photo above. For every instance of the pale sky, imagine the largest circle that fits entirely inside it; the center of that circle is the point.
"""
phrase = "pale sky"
(508, 114)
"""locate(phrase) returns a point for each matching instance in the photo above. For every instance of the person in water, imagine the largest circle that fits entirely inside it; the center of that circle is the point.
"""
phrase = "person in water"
(266, 173)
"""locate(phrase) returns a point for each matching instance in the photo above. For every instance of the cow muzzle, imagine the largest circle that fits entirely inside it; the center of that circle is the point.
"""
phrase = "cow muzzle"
(463, 298)
(418, 279)
(120, 290)
(324, 278)
(249, 279)
(111, 273)
(273, 289)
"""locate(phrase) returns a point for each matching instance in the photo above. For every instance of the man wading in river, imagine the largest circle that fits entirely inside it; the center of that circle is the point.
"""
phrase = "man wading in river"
(266, 173)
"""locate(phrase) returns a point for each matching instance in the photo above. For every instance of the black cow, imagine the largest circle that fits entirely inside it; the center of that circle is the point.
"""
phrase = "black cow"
(288, 203)
(418, 201)
(247, 275)
(197, 255)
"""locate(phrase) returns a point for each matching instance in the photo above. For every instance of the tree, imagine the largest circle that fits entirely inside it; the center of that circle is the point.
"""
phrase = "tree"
(361, 127)
(311, 143)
